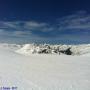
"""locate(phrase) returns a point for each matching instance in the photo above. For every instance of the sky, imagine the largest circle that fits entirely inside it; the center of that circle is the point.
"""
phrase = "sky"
(47, 21)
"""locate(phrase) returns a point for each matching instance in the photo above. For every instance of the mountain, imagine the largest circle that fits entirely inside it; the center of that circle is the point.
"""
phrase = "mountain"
(28, 49)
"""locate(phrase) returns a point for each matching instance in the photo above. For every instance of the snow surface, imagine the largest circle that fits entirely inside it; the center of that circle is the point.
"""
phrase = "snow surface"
(43, 71)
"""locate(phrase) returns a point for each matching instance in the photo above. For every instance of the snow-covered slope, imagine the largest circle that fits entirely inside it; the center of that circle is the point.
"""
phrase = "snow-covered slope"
(10, 46)
(43, 72)
(28, 49)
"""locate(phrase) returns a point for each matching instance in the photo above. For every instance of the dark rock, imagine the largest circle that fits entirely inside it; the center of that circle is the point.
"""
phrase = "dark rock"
(44, 51)
(67, 51)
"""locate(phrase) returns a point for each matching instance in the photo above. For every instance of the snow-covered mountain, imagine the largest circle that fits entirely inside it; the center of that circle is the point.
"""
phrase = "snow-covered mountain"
(28, 49)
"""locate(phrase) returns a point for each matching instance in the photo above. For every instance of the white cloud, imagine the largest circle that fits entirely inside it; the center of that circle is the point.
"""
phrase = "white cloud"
(80, 20)
(32, 24)
(25, 25)
(21, 33)
(77, 21)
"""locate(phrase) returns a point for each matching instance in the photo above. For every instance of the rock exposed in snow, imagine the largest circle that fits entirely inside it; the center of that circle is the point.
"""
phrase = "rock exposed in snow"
(28, 49)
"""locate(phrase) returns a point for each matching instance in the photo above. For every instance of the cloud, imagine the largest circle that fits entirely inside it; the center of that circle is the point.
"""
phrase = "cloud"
(77, 21)
(33, 24)
(21, 33)
(25, 28)
(25, 25)
(75, 26)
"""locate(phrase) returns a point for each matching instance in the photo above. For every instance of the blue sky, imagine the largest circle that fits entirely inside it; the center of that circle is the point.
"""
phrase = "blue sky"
(63, 21)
